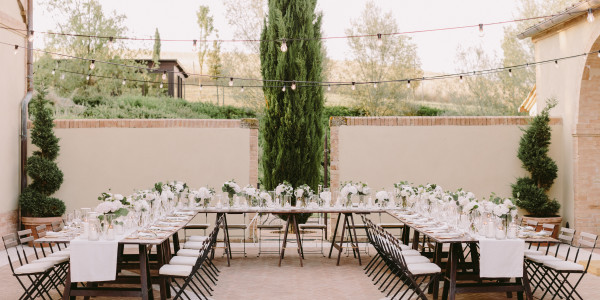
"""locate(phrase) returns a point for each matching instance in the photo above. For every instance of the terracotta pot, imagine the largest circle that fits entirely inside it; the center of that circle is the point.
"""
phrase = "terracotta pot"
(557, 220)
(32, 223)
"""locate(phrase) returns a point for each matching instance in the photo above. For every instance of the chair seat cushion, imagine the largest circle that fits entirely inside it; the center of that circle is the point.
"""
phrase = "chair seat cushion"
(533, 252)
(197, 238)
(194, 245)
(540, 259)
(391, 225)
(51, 259)
(183, 260)
(60, 253)
(564, 265)
(428, 268)
(416, 260)
(236, 226)
(188, 252)
(34, 268)
(410, 252)
(312, 226)
(405, 247)
(175, 270)
(196, 226)
(271, 226)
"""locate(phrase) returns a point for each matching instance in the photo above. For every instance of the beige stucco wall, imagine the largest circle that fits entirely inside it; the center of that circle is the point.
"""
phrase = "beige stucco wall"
(124, 159)
(13, 88)
(478, 158)
(564, 83)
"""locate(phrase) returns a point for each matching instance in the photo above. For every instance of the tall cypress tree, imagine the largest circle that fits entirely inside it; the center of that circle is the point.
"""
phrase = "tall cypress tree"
(292, 131)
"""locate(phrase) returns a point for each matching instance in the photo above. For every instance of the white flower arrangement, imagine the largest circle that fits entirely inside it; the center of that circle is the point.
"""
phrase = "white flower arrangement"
(141, 206)
(470, 206)
(177, 187)
(250, 191)
(325, 196)
(231, 188)
(205, 193)
(362, 189)
(303, 191)
(284, 189)
(348, 190)
(382, 196)
(265, 197)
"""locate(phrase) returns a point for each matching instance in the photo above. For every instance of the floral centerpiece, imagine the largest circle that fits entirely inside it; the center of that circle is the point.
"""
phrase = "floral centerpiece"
(178, 188)
(404, 191)
(232, 189)
(164, 192)
(251, 194)
(348, 189)
(112, 207)
(326, 198)
(382, 197)
(282, 190)
(203, 195)
(302, 193)
(265, 199)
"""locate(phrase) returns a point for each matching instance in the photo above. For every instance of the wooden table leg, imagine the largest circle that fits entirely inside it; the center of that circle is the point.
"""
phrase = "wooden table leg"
(285, 234)
(175, 242)
(147, 292)
(526, 285)
(163, 258)
(406, 235)
(298, 241)
(334, 235)
(437, 259)
(450, 293)
(356, 240)
(68, 287)
(415, 242)
(342, 240)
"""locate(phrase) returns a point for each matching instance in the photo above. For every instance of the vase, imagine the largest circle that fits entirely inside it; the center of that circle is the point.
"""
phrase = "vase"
(501, 227)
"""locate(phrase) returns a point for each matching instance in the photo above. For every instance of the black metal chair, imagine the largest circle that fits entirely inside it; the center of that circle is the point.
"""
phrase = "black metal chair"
(269, 224)
(320, 226)
(535, 261)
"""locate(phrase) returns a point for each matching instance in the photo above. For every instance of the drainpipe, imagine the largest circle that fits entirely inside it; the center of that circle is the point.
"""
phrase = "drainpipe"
(25, 105)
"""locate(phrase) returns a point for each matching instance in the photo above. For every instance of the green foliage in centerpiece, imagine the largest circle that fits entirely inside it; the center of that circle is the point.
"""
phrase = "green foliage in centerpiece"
(35, 201)
(531, 192)
(292, 132)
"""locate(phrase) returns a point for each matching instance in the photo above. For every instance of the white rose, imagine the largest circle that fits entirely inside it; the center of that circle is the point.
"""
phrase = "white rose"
(118, 197)
(366, 190)
(382, 195)
(299, 193)
(326, 196)
(352, 190)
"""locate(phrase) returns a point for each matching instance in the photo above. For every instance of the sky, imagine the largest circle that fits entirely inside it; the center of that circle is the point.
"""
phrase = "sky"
(436, 50)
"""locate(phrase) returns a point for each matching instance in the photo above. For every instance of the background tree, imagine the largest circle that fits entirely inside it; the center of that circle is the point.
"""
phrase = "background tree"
(83, 18)
(531, 192)
(215, 68)
(156, 49)
(46, 177)
(292, 131)
(395, 58)
(205, 23)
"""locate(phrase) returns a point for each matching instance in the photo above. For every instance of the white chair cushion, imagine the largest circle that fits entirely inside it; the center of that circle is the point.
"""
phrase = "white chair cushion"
(416, 260)
(410, 252)
(51, 259)
(175, 270)
(60, 253)
(429, 268)
(193, 245)
(197, 238)
(564, 265)
(183, 260)
(533, 252)
(405, 247)
(188, 252)
(34, 268)
(540, 259)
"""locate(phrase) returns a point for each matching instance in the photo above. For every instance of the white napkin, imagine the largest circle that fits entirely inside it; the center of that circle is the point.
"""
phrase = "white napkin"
(501, 258)
(94, 260)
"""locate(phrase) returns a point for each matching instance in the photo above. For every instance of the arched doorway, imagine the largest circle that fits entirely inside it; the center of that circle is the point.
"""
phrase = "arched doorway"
(586, 147)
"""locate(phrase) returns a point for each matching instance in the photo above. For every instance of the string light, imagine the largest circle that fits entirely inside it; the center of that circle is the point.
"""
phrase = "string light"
(408, 84)
(231, 81)
(283, 45)
(375, 85)
(329, 88)
(87, 77)
(283, 88)
(161, 85)
(294, 85)
(556, 63)
(164, 75)
(195, 46)
(353, 85)
(124, 81)
(461, 79)
(93, 64)
(242, 90)
(111, 43)
(53, 71)
(31, 36)
(201, 87)
(62, 76)
(379, 40)
(16, 49)
(598, 53)
(509, 72)
(590, 15)
(481, 33)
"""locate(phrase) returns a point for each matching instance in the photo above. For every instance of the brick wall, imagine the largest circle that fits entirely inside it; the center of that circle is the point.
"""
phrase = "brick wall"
(8, 223)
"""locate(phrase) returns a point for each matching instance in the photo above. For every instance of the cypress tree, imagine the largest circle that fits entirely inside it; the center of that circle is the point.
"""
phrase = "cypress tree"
(292, 131)
(531, 192)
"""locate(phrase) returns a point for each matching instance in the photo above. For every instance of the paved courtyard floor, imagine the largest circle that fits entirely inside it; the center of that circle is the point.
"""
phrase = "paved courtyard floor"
(255, 277)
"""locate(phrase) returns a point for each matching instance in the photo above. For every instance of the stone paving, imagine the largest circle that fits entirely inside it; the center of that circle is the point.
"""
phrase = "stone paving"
(254, 277)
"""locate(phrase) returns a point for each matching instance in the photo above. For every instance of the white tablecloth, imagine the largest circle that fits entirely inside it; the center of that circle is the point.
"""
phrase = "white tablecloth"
(501, 258)
(94, 260)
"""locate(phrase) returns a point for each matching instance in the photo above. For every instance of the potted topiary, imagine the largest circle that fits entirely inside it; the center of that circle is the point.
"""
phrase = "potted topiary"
(531, 192)
(37, 207)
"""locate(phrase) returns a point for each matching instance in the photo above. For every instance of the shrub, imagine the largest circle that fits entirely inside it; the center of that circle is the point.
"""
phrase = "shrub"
(429, 111)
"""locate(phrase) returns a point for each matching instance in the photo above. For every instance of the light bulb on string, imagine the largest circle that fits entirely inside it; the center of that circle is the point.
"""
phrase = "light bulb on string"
(87, 77)
(124, 81)
(329, 88)
(481, 33)
(53, 71)
(408, 84)
(353, 85)
(598, 53)
(195, 46)
(62, 76)
(284, 47)
(590, 15)
(111, 43)
(16, 49)
(242, 89)
(200, 87)
(31, 36)
(294, 85)
(375, 85)
(161, 85)
(461, 79)
(164, 75)
(93, 64)
(379, 40)
(231, 81)
(509, 72)
(283, 88)
(556, 63)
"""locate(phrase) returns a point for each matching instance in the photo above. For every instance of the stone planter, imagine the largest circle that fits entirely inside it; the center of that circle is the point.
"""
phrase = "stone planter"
(32, 223)
(556, 220)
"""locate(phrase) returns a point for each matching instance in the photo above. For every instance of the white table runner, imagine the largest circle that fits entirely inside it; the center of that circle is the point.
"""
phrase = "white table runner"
(94, 260)
(501, 258)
